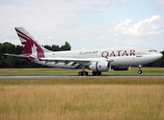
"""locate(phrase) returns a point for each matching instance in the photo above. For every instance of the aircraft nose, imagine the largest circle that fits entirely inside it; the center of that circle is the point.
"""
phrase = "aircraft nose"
(160, 55)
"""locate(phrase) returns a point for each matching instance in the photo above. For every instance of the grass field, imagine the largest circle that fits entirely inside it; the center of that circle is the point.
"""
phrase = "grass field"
(146, 70)
(82, 99)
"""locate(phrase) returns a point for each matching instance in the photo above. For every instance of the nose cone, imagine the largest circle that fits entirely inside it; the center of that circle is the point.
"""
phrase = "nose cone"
(159, 55)
(156, 57)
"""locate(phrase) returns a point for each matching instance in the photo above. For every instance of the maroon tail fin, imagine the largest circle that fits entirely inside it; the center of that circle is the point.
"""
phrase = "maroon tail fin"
(30, 45)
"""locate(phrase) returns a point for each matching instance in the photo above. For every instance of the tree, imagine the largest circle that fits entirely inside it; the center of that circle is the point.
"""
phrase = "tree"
(162, 60)
(65, 47)
(55, 48)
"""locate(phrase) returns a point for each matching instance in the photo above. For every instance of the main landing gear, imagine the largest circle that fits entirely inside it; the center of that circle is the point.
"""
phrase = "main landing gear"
(139, 71)
(96, 73)
(83, 73)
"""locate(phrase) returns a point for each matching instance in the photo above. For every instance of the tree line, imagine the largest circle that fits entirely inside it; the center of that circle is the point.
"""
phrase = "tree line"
(15, 62)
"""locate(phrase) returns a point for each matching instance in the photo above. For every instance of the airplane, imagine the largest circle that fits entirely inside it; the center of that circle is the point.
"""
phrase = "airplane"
(97, 60)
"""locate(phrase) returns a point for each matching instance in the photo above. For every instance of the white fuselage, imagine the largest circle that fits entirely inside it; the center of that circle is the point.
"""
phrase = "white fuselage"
(133, 56)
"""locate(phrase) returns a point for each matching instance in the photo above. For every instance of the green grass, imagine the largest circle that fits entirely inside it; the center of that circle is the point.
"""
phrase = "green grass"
(25, 71)
(84, 81)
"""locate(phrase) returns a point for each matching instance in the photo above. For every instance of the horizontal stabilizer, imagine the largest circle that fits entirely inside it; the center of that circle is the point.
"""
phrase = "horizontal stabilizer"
(20, 56)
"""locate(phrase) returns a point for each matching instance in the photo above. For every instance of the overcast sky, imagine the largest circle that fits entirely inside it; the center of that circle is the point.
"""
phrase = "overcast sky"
(85, 24)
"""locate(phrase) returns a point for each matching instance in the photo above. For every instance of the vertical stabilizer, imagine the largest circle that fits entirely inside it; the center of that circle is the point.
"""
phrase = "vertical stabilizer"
(31, 46)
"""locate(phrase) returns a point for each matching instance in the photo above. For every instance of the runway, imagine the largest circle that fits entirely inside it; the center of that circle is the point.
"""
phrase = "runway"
(69, 76)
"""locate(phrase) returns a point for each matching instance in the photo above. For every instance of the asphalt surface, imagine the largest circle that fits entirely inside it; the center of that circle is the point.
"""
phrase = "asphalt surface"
(69, 76)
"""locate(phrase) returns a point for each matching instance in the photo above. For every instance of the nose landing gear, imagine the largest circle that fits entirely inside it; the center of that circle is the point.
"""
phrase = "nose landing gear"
(139, 71)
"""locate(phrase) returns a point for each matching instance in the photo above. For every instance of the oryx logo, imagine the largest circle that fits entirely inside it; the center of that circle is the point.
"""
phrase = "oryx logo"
(105, 54)
(34, 50)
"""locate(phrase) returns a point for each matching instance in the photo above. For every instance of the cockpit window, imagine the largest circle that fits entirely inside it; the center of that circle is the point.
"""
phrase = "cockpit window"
(152, 51)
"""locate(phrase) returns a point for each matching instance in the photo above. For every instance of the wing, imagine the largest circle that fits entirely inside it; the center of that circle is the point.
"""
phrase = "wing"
(80, 61)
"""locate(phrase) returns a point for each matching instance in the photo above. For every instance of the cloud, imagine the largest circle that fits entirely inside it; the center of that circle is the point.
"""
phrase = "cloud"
(160, 3)
(152, 26)
(134, 42)
(50, 17)
(82, 23)
(94, 5)
(17, 42)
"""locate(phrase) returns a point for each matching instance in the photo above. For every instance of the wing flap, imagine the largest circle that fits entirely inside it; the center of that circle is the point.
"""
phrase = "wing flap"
(74, 60)
(64, 59)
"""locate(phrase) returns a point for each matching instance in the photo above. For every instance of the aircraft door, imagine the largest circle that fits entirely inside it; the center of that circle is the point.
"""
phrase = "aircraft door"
(137, 59)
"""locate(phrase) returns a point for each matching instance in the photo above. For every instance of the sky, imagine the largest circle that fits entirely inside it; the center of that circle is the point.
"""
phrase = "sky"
(85, 24)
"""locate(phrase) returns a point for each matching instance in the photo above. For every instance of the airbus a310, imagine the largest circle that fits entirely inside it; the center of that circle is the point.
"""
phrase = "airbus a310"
(97, 60)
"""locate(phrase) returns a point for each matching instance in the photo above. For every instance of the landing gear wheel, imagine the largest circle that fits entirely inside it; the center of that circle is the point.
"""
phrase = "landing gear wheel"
(85, 73)
(139, 71)
(81, 73)
(96, 73)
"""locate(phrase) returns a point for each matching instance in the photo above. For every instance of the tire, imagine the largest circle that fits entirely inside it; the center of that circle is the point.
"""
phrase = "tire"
(94, 73)
(98, 73)
(80, 74)
(85, 73)
(139, 71)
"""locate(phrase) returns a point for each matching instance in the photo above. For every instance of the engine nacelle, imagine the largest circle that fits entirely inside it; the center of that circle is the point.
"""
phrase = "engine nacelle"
(101, 66)
(121, 68)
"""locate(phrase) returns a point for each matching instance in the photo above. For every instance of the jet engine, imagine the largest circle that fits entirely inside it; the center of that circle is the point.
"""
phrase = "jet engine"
(121, 68)
(101, 66)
